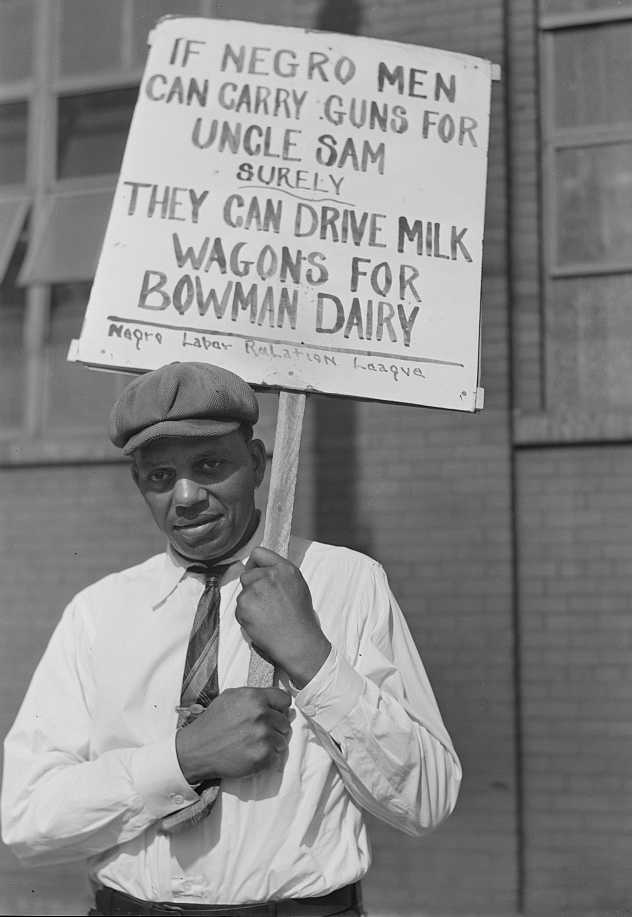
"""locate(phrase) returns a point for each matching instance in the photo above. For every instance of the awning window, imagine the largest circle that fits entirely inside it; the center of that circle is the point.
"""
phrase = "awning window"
(66, 245)
(12, 216)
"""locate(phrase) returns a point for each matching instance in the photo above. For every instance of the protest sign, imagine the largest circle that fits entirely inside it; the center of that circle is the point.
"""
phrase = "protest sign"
(304, 208)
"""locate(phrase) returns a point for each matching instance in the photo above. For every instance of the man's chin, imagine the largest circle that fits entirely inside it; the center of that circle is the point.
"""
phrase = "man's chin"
(211, 541)
(200, 545)
(201, 552)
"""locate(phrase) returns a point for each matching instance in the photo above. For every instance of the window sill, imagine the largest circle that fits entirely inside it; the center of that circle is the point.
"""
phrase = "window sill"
(571, 427)
(69, 450)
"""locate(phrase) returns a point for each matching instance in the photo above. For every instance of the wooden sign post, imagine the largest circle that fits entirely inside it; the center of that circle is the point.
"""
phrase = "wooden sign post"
(278, 521)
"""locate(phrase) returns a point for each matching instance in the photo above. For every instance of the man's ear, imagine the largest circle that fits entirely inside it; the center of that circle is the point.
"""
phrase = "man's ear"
(259, 458)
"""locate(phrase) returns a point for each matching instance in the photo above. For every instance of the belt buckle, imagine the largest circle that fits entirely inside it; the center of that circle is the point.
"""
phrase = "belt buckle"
(165, 908)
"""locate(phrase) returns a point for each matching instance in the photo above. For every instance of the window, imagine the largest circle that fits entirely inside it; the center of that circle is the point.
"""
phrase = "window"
(103, 22)
(13, 116)
(12, 310)
(16, 62)
(91, 132)
(587, 199)
(118, 30)
(76, 397)
(589, 144)
(16, 41)
(12, 214)
(69, 76)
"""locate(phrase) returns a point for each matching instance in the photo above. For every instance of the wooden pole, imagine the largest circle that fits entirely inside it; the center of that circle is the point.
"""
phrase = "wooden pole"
(276, 533)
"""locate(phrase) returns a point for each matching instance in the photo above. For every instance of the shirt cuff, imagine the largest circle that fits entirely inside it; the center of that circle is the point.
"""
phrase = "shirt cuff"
(158, 779)
(332, 693)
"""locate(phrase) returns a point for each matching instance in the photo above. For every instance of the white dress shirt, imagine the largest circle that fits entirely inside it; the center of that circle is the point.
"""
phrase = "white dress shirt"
(91, 767)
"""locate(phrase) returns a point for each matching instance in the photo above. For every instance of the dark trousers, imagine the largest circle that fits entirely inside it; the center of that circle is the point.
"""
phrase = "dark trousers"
(352, 912)
(343, 902)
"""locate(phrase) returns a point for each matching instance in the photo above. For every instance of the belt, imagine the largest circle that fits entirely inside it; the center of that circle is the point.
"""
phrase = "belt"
(118, 904)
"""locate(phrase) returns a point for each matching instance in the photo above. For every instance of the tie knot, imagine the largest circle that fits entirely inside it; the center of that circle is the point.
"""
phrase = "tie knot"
(209, 571)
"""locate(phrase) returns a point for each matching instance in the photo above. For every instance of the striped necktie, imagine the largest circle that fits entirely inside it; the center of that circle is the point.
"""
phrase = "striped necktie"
(200, 684)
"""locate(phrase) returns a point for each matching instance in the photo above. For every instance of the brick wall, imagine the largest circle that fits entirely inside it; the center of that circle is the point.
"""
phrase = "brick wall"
(62, 528)
(435, 502)
(574, 519)
(428, 494)
(524, 175)
(575, 513)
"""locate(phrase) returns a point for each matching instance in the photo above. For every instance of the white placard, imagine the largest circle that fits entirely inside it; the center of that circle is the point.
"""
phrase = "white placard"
(304, 208)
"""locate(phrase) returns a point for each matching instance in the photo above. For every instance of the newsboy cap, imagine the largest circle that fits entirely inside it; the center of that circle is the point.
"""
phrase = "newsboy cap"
(181, 399)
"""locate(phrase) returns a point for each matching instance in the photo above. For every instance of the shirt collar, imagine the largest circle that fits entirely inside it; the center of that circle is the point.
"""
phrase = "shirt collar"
(174, 567)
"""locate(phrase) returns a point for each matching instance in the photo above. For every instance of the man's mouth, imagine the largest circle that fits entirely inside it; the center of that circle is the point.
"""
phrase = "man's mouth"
(196, 526)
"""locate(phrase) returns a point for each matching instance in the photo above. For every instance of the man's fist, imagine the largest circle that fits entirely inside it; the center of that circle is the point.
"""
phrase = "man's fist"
(241, 732)
(275, 609)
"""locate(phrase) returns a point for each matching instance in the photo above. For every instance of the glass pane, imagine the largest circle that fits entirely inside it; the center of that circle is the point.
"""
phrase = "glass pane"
(12, 308)
(11, 362)
(593, 75)
(92, 132)
(69, 241)
(78, 398)
(589, 329)
(12, 215)
(16, 40)
(90, 36)
(594, 202)
(266, 11)
(13, 130)
(146, 14)
(583, 6)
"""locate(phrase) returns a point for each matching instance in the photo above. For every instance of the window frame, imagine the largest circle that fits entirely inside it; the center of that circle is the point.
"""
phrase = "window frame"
(33, 443)
(551, 423)
(555, 139)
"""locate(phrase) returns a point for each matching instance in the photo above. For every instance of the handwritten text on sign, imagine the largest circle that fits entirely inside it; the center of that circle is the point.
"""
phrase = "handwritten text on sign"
(303, 208)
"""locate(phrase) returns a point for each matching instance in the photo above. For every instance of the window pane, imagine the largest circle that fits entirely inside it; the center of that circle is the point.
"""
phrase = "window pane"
(589, 329)
(12, 308)
(12, 216)
(266, 11)
(92, 132)
(13, 129)
(69, 238)
(16, 40)
(593, 75)
(90, 36)
(146, 13)
(11, 361)
(78, 398)
(594, 202)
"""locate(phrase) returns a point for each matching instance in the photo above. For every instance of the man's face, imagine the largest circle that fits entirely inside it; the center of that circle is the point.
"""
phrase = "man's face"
(201, 490)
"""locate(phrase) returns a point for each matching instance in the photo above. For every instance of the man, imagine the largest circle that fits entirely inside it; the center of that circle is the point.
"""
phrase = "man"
(108, 745)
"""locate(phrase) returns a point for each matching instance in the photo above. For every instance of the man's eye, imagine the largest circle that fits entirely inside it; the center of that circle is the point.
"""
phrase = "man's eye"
(159, 476)
(211, 466)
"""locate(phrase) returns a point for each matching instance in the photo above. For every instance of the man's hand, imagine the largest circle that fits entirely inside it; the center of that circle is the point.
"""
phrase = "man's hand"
(241, 732)
(275, 609)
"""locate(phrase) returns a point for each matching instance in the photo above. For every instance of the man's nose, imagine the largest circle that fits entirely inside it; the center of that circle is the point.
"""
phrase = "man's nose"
(188, 493)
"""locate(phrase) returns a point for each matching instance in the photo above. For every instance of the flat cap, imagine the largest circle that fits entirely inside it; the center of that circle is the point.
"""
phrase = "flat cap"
(181, 399)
